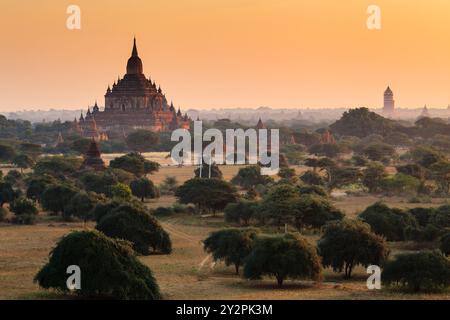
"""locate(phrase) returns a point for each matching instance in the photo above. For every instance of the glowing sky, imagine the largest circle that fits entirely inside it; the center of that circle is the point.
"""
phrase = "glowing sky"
(227, 53)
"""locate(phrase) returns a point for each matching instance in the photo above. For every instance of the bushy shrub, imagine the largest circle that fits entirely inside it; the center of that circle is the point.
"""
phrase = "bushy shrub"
(109, 268)
(240, 212)
(346, 244)
(283, 256)
(231, 245)
(425, 270)
(25, 211)
(388, 222)
(137, 226)
(163, 211)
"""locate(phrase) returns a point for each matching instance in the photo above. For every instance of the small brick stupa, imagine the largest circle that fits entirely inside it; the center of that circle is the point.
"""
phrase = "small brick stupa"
(92, 158)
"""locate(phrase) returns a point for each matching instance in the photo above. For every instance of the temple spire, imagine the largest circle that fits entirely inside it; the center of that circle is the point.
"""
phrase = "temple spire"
(135, 52)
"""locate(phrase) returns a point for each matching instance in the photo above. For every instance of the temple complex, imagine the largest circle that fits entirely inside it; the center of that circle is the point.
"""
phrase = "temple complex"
(133, 102)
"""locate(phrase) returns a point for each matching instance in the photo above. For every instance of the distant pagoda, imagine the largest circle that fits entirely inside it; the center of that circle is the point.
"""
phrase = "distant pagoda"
(92, 158)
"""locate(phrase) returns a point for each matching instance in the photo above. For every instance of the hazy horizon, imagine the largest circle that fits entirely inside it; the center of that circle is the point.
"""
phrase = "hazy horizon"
(228, 54)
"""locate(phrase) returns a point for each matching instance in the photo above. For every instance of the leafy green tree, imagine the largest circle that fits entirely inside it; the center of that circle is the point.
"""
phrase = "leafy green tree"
(169, 185)
(424, 270)
(423, 216)
(412, 169)
(215, 171)
(56, 197)
(312, 178)
(30, 149)
(314, 211)
(441, 217)
(7, 153)
(151, 167)
(57, 166)
(389, 222)
(250, 176)
(23, 161)
(99, 182)
(121, 191)
(143, 188)
(312, 189)
(207, 194)
(142, 140)
(326, 149)
(312, 162)
(283, 256)
(241, 211)
(373, 176)
(101, 209)
(231, 245)
(109, 268)
(426, 156)
(400, 184)
(286, 173)
(342, 176)
(7, 193)
(441, 174)
(278, 204)
(81, 205)
(37, 185)
(379, 151)
(25, 211)
(346, 244)
(130, 163)
(445, 244)
(137, 226)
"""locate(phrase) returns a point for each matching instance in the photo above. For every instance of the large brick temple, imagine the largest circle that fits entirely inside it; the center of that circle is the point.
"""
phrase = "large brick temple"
(133, 102)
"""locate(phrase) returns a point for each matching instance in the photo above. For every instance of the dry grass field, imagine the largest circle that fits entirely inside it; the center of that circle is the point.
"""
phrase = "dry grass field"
(188, 273)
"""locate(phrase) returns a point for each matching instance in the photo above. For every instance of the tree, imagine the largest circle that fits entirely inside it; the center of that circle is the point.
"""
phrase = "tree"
(169, 185)
(312, 178)
(330, 150)
(56, 197)
(417, 271)
(137, 226)
(23, 161)
(250, 176)
(312, 162)
(121, 191)
(379, 151)
(400, 184)
(130, 163)
(413, 169)
(37, 185)
(109, 268)
(314, 211)
(81, 205)
(7, 193)
(230, 245)
(7, 153)
(30, 149)
(441, 174)
(241, 211)
(215, 171)
(99, 182)
(25, 211)
(278, 204)
(142, 140)
(389, 222)
(373, 175)
(151, 167)
(445, 244)
(283, 256)
(207, 194)
(346, 244)
(143, 188)
(57, 166)
(286, 173)
(341, 176)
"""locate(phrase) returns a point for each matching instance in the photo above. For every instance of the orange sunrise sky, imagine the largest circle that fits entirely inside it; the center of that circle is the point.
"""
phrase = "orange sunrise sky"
(227, 53)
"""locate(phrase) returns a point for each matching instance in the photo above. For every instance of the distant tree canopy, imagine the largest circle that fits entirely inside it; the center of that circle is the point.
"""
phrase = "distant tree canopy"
(250, 176)
(231, 245)
(424, 270)
(379, 151)
(7, 153)
(445, 244)
(7, 193)
(206, 171)
(346, 244)
(391, 223)
(373, 176)
(283, 256)
(57, 166)
(143, 188)
(109, 268)
(135, 164)
(361, 122)
(56, 197)
(25, 211)
(23, 161)
(207, 194)
(142, 140)
(137, 226)
(241, 211)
